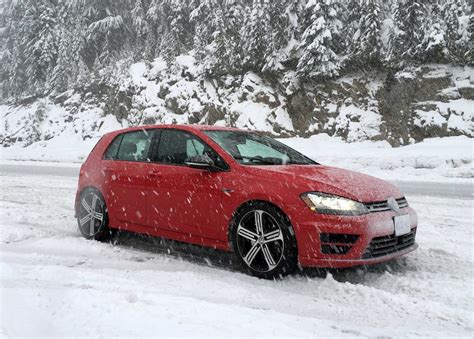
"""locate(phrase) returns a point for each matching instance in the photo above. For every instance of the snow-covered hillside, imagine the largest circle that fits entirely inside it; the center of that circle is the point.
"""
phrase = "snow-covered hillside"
(422, 102)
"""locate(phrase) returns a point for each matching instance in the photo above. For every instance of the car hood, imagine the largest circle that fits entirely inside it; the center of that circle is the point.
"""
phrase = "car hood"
(332, 180)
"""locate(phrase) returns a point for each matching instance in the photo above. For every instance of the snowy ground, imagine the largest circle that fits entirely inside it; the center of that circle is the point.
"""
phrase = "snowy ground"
(55, 283)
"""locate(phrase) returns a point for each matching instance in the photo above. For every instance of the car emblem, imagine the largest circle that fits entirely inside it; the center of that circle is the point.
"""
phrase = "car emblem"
(393, 204)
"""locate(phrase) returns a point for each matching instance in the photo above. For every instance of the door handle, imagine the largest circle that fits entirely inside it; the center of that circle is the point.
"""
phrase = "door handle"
(107, 169)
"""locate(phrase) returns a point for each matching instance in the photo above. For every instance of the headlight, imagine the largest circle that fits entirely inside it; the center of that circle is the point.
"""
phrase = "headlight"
(331, 204)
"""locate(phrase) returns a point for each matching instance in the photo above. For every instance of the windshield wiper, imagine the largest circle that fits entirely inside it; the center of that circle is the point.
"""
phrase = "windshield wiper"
(257, 160)
(300, 163)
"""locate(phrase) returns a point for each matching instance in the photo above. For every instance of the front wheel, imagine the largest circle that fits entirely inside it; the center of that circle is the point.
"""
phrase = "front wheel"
(92, 216)
(264, 241)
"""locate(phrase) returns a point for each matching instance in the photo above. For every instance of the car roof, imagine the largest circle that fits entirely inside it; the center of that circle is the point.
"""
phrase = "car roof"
(181, 127)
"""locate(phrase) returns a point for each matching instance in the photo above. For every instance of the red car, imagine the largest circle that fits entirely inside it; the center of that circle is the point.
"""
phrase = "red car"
(240, 191)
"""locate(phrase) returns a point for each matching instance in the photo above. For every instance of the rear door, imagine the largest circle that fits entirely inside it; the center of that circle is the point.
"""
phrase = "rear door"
(184, 199)
(126, 163)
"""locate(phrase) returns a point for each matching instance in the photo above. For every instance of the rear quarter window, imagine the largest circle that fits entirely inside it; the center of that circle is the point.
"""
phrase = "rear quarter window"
(112, 150)
(130, 146)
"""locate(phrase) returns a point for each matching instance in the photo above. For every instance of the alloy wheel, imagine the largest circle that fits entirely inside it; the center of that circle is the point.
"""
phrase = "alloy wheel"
(260, 240)
(91, 215)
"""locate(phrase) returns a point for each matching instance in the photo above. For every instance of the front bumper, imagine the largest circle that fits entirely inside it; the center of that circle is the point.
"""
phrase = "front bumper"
(310, 226)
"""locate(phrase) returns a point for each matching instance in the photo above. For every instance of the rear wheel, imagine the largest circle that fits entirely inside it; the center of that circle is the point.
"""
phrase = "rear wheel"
(92, 216)
(264, 241)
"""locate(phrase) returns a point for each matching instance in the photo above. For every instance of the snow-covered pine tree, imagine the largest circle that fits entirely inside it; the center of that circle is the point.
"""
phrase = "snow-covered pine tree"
(253, 36)
(152, 17)
(206, 23)
(141, 29)
(107, 35)
(217, 40)
(434, 42)
(406, 37)
(70, 64)
(40, 42)
(276, 35)
(234, 20)
(366, 48)
(297, 24)
(452, 11)
(321, 41)
(216, 55)
(351, 18)
(470, 51)
(174, 30)
(465, 34)
(12, 67)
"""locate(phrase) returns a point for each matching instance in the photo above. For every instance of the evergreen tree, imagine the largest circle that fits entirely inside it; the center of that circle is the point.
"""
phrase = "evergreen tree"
(12, 67)
(152, 17)
(434, 42)
(40, 42)
(276, 34)
(233, 23)
(253, 36)
(107, 35)
(319, 45)
(470, 48)
(460, 48)
(405, 43)
(70, 64)
(48, 46)
(141, 29)
(207, 19)
(173, 28)
(367, 44)
(352, 19)
(217, 43)
(452, 11)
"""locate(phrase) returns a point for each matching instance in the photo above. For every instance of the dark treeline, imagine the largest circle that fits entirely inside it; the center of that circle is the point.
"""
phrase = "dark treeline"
(49, 46)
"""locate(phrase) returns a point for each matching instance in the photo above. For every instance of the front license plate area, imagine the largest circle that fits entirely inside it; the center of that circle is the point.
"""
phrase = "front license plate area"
(402, 224)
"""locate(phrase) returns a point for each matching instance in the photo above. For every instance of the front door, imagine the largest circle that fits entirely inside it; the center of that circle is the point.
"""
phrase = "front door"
(184, 199)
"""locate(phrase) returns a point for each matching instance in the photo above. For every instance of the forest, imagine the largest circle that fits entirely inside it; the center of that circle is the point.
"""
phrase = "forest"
(50, 46)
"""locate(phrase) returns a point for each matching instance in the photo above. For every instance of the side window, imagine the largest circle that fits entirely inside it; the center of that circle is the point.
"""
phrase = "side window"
(112, 150)
(194, 147)
(134, 146)
(176, 146)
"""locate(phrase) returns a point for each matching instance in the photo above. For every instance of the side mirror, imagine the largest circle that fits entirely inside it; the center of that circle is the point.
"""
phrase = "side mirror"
(200, 161)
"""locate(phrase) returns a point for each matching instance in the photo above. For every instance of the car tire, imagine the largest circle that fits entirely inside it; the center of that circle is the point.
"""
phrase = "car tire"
(264, 241)
(92, 216)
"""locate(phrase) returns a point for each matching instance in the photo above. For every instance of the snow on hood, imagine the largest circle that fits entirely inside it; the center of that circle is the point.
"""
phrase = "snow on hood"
(332, 180)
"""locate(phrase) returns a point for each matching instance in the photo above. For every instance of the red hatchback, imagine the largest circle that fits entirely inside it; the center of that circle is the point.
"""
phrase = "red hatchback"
(244, 192)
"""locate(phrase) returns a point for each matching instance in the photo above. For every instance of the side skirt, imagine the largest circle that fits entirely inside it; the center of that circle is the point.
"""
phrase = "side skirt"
(173, 235)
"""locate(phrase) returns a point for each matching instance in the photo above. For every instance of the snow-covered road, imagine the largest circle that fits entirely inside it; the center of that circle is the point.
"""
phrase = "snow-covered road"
(55, 283)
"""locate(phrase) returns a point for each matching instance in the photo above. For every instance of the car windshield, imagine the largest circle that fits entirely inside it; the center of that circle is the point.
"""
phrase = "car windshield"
(250, 148)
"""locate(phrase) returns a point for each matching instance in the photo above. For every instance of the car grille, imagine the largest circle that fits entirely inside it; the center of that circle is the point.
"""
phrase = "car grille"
(382, 206)
(337, 243)
(389, 244)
